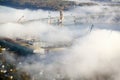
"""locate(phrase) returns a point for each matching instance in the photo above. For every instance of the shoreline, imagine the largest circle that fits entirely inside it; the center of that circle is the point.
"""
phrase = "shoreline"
(24, 6)
(45, 6)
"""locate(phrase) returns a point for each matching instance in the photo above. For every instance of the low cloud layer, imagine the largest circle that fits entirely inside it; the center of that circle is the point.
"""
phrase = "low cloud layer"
(93, 55)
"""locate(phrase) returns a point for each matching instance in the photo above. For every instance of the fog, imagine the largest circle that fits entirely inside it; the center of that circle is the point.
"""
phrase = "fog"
(92, 56)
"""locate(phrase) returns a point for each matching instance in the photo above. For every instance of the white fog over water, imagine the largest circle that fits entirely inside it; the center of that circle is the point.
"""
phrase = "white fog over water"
(93, 55)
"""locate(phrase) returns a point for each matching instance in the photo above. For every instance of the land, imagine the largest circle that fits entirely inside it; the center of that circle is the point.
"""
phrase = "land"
(44, 4)
(39, 4)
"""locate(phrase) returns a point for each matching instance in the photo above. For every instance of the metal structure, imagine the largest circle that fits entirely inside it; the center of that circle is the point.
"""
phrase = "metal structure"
(74, 19)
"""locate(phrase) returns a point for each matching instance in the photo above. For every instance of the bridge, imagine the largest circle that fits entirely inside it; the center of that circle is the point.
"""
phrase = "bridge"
(14, 47)
(76, 19)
